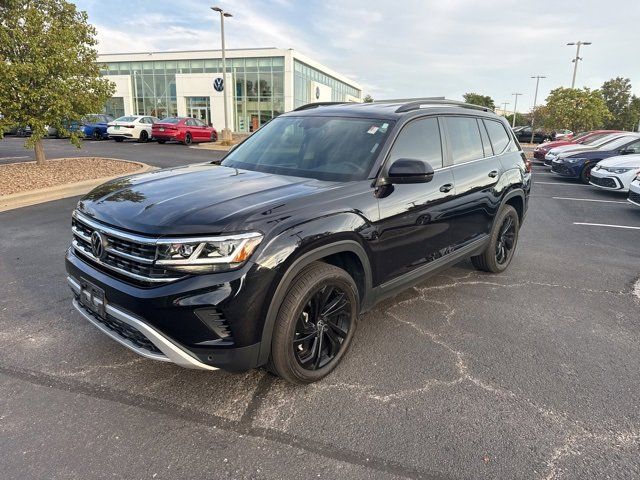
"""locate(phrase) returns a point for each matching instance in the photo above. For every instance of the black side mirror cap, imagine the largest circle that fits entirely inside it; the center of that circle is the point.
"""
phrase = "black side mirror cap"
(408, 170)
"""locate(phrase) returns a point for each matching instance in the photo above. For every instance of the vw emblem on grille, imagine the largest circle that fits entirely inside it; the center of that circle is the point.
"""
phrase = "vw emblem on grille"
(97, 244)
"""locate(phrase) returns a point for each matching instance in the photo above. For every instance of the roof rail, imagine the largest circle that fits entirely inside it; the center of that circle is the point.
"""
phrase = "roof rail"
(315, 105)
(417, 104)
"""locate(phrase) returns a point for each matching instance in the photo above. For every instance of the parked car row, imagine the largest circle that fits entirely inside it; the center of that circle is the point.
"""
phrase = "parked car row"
(141, 128)
(605, 159)
(523, 134)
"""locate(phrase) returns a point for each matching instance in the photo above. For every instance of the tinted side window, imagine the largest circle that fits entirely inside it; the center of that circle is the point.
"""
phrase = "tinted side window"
(419, 139)
(464, 139)
(190, 122)
(488, 151)
(498, 135)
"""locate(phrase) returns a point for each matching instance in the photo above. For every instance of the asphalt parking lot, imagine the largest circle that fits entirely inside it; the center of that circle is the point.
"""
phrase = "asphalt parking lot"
(532, 374)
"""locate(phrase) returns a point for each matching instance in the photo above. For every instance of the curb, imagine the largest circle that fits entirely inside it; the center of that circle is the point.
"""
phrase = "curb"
(42, 195)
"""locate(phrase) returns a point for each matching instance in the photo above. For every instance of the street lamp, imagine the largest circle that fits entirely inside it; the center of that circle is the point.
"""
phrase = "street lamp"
(575, 61)
(226, 133)
(535, 99)
(515, 109)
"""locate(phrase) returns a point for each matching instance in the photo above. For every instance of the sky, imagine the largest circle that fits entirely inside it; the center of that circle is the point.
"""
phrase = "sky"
(401, 48)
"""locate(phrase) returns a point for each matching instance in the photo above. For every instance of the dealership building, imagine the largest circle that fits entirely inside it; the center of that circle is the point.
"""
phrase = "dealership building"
(264, 83)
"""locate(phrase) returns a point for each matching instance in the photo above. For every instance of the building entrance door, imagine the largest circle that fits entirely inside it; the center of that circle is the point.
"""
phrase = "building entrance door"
(200, 108)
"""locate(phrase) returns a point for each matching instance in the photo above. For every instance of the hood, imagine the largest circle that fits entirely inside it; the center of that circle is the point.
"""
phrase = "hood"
(549, 145)
(621, 161)
(198, 199)
(571, 147)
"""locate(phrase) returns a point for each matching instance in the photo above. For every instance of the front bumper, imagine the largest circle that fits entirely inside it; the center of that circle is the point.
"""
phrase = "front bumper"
(202, 321)
(605, 180)
(566, 170)
(634, 193)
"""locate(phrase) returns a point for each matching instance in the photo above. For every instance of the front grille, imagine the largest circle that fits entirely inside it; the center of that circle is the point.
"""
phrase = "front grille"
(559, 168)
(603, 181)
(634, 197)
(129, 257)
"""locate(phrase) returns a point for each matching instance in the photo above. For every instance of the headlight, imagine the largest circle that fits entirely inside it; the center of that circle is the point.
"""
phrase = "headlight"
(617, 170)
(574, 160)
(207, 254)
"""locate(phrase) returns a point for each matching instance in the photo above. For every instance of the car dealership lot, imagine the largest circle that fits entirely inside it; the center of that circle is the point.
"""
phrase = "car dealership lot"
(529, 374)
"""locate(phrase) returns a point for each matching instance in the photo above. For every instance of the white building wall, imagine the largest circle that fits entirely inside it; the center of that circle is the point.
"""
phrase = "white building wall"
(123, 89)
(201, 85)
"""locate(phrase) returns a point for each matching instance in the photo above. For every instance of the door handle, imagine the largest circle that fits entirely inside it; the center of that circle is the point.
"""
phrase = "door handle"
(447, 187)
(493, 173)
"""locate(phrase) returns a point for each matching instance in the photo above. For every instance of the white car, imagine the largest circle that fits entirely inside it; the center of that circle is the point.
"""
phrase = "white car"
(137, 127)
(634, 191)
(616, 173)
(566, 150)
(562, 134)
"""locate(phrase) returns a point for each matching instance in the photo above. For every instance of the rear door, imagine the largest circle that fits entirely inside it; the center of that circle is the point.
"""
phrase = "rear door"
(413, 229)
(476, 171)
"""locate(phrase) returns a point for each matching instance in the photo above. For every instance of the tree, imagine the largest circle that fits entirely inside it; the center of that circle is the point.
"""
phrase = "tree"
(48, 70)
(621, 103)
(368, 99)
(477, 99)
(576, 109)
(521, 120)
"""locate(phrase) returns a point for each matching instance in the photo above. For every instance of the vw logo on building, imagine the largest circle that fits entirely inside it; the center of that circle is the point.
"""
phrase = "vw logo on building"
(218, 84)
(317, 93)
(97, 245)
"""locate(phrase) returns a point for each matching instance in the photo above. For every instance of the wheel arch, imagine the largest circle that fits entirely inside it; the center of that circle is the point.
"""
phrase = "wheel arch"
(517, 199)
(345, 253)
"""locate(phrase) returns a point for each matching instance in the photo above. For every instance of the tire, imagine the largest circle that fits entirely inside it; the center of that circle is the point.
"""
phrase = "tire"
(497, 256)
(144, 137)
(188, 140)
(585, 174)
(299, 340)
(119, 139)
(162, 142)
(96, 135)
(214, 137)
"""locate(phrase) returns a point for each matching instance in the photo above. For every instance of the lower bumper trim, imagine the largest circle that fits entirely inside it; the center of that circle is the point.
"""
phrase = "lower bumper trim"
(170, 351)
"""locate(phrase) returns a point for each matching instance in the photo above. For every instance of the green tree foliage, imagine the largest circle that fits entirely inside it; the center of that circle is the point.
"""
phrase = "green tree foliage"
(48, 70)
(521, 120)
(368, 99)
(624, 107)
(477, 99)
(575, 109)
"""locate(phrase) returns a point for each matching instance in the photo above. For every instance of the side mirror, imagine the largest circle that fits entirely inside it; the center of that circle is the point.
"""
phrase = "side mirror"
(408, 170)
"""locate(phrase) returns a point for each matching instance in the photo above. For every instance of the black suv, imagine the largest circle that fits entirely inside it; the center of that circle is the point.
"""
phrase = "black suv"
(269, 257)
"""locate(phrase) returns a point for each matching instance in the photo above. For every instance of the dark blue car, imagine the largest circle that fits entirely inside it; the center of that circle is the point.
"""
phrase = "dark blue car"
(92, 126)
(579, 164)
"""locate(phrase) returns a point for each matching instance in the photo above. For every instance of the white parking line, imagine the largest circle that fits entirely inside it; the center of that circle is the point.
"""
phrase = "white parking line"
(606, 225)
(587, 200)
(561, 183)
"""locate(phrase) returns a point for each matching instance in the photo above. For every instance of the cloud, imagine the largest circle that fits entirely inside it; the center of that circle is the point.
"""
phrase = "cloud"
(403, 48)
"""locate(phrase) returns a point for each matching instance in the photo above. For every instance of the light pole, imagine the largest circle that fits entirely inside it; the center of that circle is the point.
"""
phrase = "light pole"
(535, 99)
(504, 109)
(575, 61)
(226, 133)
(515, 109)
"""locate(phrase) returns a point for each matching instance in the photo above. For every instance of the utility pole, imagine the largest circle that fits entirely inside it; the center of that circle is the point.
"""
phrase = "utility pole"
(575, 61)
(504, 110)
(535, 100)
(515, 109)
(226, 133)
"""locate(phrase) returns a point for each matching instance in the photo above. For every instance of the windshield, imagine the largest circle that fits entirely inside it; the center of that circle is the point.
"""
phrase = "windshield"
(614, 143)
(91, 119)
(126, 119)
(324, 148)
(172, 120)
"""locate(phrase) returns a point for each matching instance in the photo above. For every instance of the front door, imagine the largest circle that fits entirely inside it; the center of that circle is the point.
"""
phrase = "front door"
(413, 229)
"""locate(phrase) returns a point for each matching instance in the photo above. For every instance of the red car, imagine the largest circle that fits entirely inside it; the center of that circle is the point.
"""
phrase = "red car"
(186, 130)
(583, 138)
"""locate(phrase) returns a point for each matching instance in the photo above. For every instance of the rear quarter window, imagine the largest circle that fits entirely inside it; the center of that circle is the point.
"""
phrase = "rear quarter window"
(498, 135)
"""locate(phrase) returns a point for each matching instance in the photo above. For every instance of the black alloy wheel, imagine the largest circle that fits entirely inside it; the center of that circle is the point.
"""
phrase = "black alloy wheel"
(214, 137)
(315, 324)
(506, 241)
(585, 174)
(187, 139)
(96, 135)
(144, 136)
(498, 253)
(322, 327)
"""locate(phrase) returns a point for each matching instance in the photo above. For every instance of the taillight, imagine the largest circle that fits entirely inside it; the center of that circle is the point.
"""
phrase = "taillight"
(527, 163)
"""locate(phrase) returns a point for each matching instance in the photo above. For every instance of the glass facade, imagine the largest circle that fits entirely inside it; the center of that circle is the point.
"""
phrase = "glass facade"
(304, 75)
(257, 83)
(258, 86)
